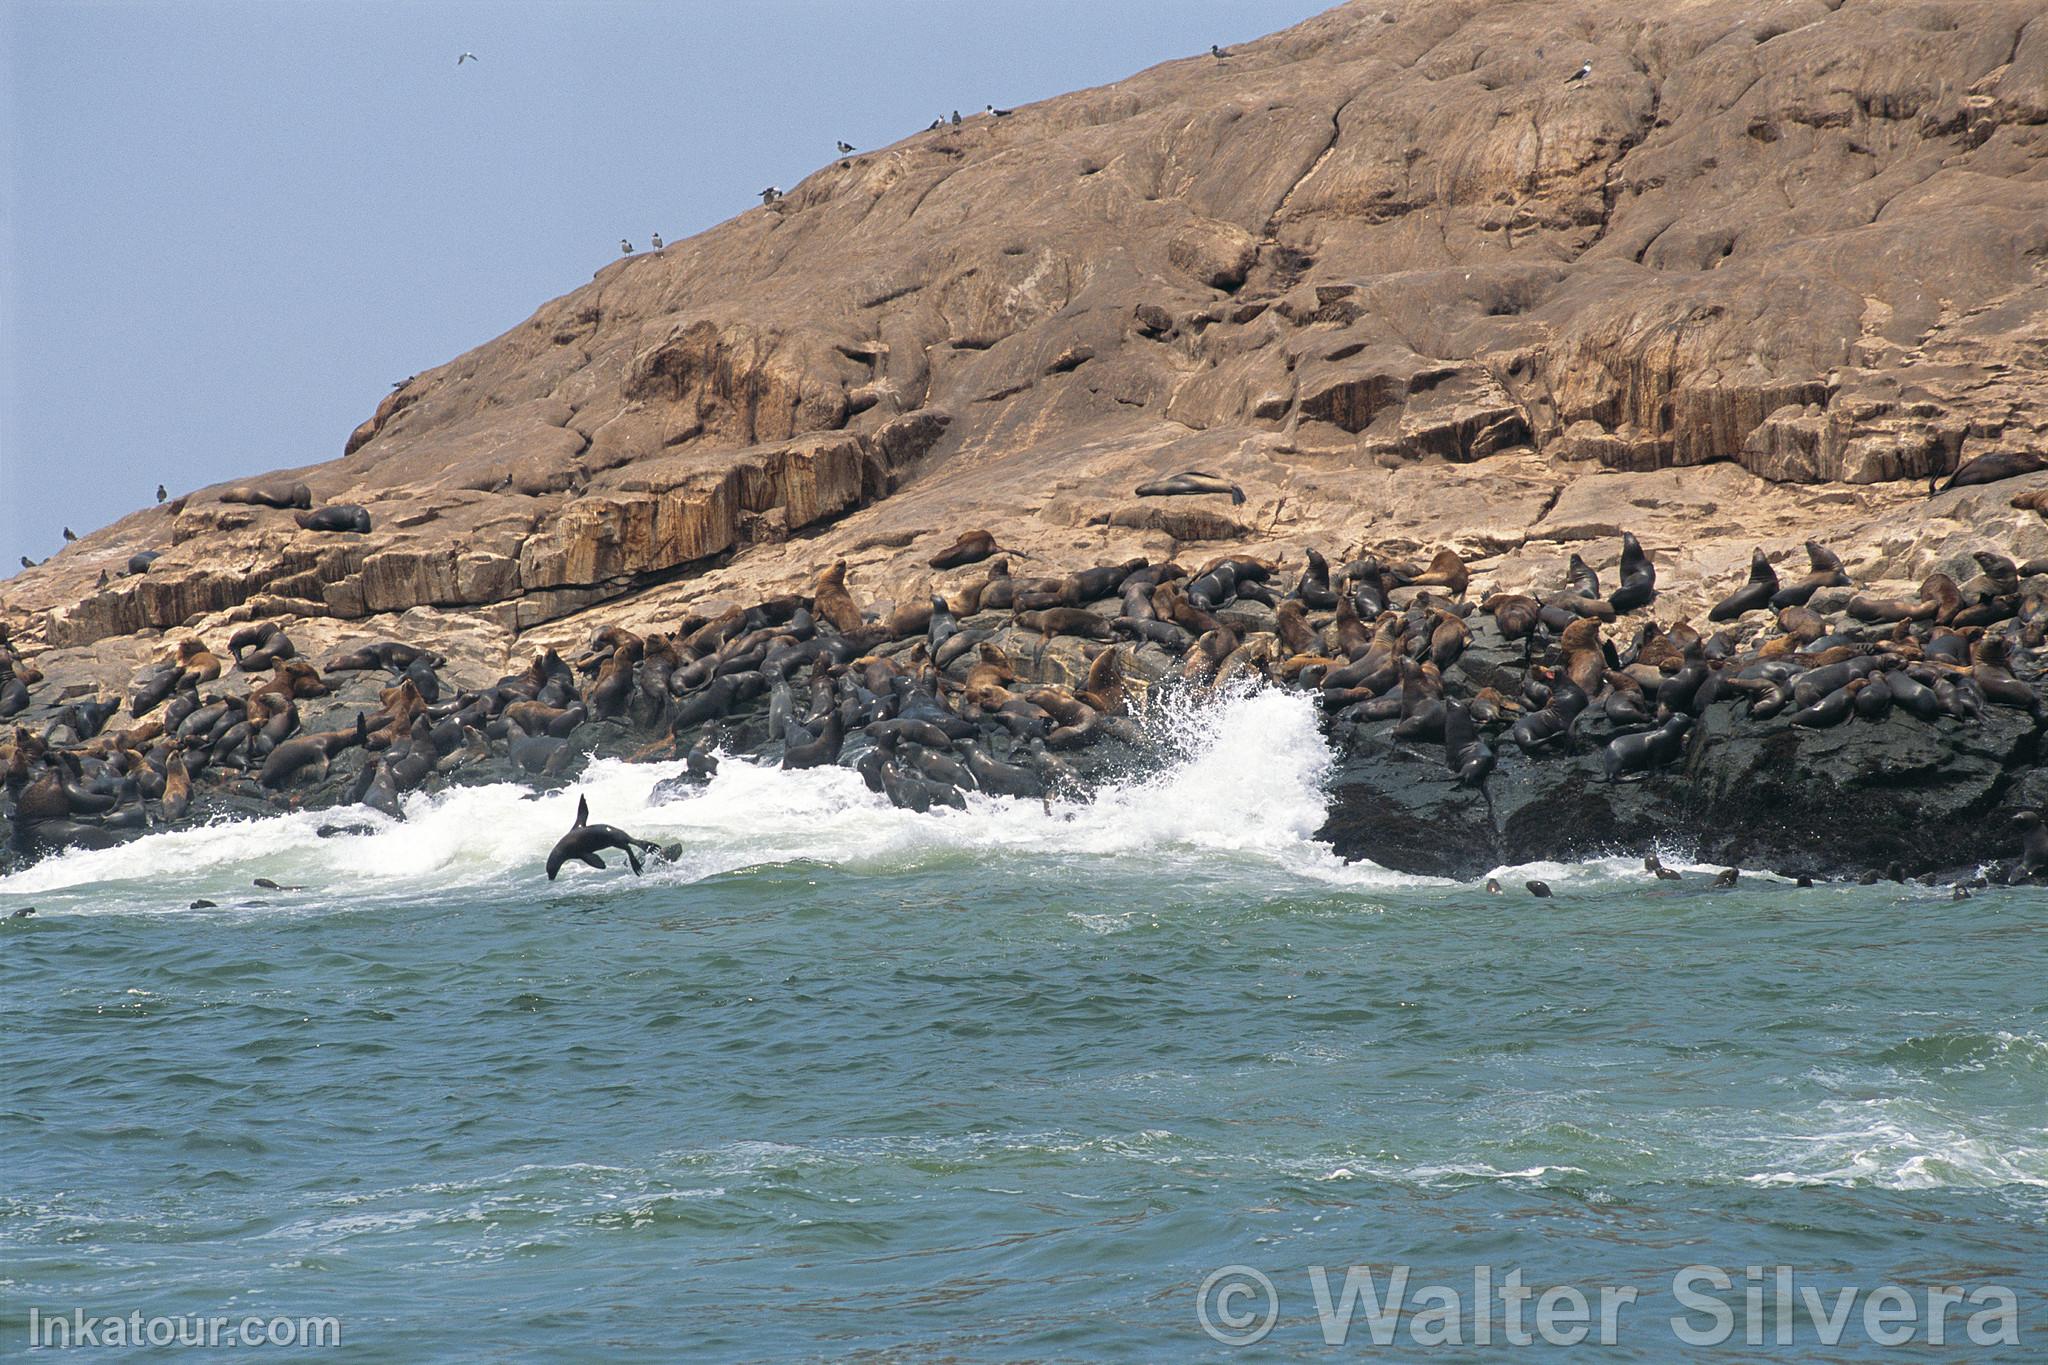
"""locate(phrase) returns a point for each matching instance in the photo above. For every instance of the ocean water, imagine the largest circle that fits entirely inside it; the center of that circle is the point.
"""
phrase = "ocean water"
(1019, 1083)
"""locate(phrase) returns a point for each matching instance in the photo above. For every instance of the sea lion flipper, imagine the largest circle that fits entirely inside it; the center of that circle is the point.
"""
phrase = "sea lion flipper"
(582, 814)
(593, 860)
(633, 857)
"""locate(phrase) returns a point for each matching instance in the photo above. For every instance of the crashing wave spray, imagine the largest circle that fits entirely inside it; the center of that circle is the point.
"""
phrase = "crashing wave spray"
(1246, 786)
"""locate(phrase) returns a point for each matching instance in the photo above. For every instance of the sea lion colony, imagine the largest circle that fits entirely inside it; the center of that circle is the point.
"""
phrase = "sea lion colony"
(1002, 682)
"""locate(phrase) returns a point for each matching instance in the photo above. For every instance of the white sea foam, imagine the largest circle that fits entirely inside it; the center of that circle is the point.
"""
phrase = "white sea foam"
(1246, 789)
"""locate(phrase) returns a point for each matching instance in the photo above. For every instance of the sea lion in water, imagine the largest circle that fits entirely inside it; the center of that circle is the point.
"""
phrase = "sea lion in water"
(1190, 481)
(271, 495)
(1653, 864)
(336, 516)
(584, 841)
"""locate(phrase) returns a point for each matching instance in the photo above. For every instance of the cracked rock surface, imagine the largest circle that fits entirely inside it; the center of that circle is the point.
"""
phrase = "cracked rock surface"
(1755, 280)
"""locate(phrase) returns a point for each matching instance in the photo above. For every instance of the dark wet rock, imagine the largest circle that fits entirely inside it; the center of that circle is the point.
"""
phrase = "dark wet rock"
(1756, 794)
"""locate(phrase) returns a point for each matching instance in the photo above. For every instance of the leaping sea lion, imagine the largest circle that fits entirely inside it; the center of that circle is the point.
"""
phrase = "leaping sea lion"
(584, 840)
(1190, 481)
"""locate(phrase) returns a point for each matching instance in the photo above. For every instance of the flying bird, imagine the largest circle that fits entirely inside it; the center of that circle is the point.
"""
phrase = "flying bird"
(845, 147)
(465, 57)
(162, 492)
(656, 243)
(1580, 74)
(625, 247)
(1215, 51)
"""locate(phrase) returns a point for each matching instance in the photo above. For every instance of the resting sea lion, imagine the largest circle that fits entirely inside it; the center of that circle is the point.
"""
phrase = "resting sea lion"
(971, 548)
(271, 495)
(336, 516)
(1189, 482)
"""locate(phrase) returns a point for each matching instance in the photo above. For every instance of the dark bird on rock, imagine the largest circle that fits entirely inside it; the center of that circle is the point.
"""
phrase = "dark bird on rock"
(625, 247)
(770, 195)
(656, 243)
(70, 534)
(1215, 51)
(999, 113)
(956, 118)
(1579, 75)
(844, 147)
(162, 492)
(27, 563)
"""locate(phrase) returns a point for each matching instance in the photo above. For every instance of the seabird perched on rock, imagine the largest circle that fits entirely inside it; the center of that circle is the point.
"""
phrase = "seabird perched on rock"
(162, 492)
(844, 147)
(1215, 51)
(625, 247)
(936, 123)
(465, 57)
(70, 534)
(771, 195)
(27, 563)
(1580, 74)
(956, 118)
(655, 245)
(998, 113)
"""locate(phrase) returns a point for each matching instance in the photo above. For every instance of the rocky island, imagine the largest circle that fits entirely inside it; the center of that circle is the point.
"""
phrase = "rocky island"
(1651, 457)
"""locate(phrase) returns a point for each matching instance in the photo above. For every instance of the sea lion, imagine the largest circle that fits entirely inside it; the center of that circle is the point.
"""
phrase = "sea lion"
(1727, 877)
(2033, 857)
(1446, 570)
(1754, 595)
(1540, 890)
(1066, 621)
(1465, 753)
(1648, 749)
(1824, 571)
(819, 752)
(1190, 481)
(584, 841)
(336, 516)
(1653, 864)
(1991, 468)
(831, 601)
(971, 548)
(1313, 587)
(140, 561)
(276, 494)
(1638, 577)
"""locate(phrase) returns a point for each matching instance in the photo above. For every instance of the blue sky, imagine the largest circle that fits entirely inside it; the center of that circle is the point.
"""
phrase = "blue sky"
(226, 228)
